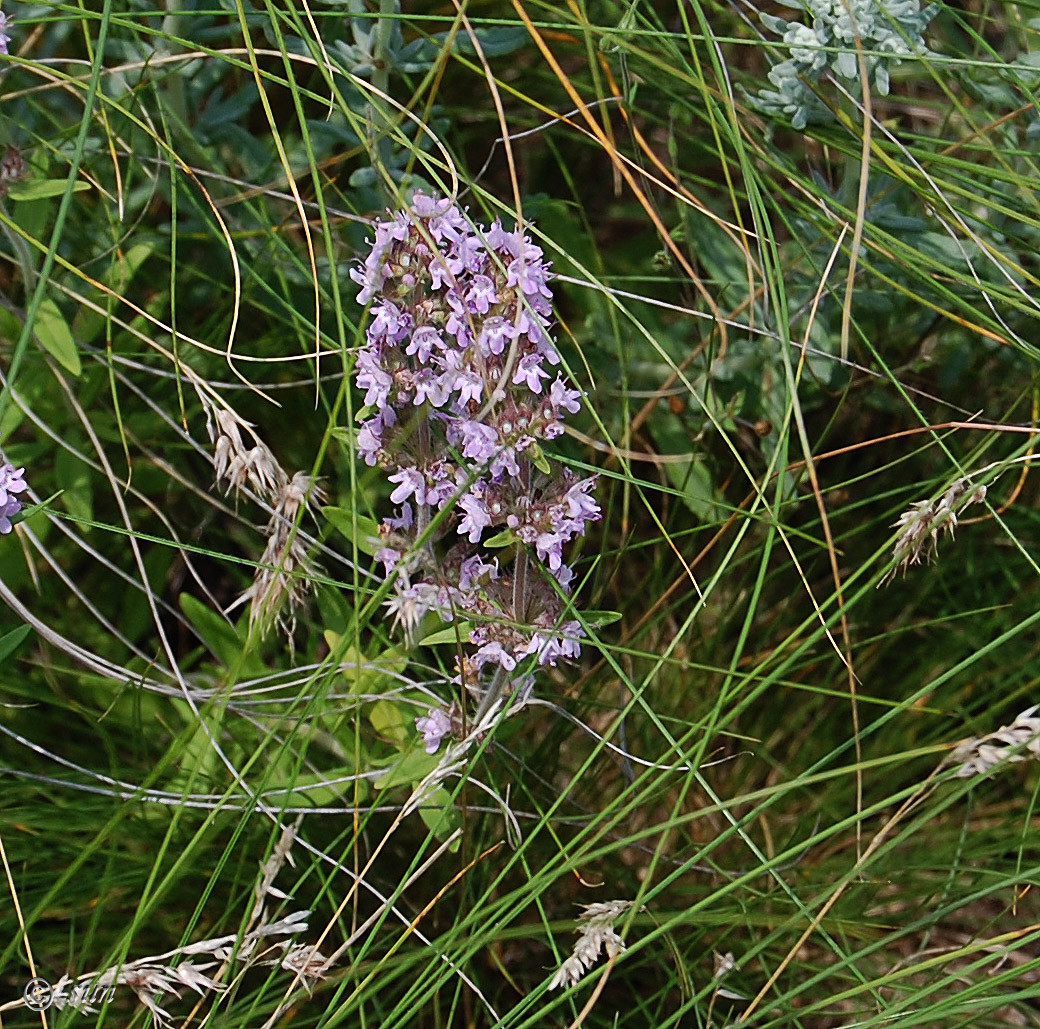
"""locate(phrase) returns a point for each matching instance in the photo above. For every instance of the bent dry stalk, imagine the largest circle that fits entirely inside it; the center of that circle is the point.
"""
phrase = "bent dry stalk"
(458, 397)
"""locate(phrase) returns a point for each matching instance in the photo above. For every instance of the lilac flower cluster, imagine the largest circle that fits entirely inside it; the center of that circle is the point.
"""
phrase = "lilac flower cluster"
(11, 482)
(460, 390)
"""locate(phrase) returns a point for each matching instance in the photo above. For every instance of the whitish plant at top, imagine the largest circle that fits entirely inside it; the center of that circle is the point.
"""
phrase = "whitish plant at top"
(838, 33)
(461, 387)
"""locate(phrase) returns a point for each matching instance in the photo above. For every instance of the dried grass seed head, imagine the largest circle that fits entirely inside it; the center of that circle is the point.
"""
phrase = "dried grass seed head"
(1011, 744)
(596, 926)
(238, 465)
(921, 525)
(284, 577)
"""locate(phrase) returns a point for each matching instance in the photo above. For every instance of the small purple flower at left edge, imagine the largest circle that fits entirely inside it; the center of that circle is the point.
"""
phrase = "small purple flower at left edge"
(434, 726)
(4, 37)
(11, 481)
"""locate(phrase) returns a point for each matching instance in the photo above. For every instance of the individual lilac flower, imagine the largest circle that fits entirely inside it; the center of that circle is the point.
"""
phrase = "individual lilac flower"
(504, 462)
(389, 558)
(4, 40)
(549, 547)
(468, 255)
(12, 480)
(532, 326)
(549, 648)
(440, 484)
(372, 434)
(369, 441)
(389, 322)
(430, 386)
(529, 370)
(494, 653)
(528, 272)
(427, 207)
(370, 279)
(505, 242)
(469, 386)
(475, 569)
(433, 726)
(441, 275)
(481, 295)
(563, 398)
(564, 575)
(479, 441)
(545, 347)
(372, 378)
(495, 336)
(7, 512)
(424, 341)
(476, 518)
(578, 502)
(410, 481)
(411, 603)
(404, 521)
(459, 325)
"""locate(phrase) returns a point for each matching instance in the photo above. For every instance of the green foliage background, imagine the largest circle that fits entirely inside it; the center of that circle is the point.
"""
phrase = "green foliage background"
(785, 338)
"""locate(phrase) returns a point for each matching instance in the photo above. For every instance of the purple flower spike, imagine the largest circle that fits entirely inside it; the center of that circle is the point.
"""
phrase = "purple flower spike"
(458, 402)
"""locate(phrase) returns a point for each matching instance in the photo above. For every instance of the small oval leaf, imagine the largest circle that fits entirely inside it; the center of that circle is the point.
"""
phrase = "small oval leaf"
(44, 188)
(450, 634)
(362, 531)
(54, 335)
